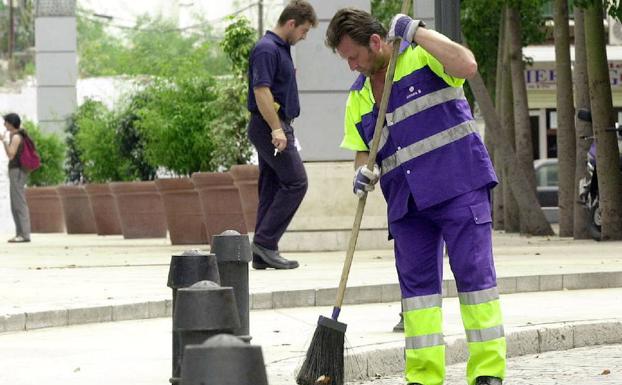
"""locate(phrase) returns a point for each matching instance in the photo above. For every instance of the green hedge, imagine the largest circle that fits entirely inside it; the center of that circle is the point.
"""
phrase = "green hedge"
(51, 149)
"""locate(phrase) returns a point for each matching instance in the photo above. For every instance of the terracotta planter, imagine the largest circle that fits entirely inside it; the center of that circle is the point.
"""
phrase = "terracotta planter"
(220, 202)
(104, 209)
(182, 208)
(77, 210)
(46, 212)
(246, 176)
(140, 209)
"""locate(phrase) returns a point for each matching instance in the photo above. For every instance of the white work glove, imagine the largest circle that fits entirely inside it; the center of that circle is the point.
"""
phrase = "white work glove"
(365, 179)
(404, 27)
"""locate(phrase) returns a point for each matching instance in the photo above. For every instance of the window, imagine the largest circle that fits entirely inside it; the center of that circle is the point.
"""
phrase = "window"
(547, 175)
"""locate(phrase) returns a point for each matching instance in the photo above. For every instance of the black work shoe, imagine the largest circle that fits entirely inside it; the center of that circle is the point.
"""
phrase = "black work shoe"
(264, 258)
(487, 380)
(399, 327)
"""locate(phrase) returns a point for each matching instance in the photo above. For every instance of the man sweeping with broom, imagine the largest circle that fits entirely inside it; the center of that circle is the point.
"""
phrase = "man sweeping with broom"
(436, 177)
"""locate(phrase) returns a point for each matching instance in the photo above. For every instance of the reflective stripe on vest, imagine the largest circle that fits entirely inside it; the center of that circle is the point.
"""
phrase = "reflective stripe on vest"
(428, 144)
(415, 106)
(411, 108)
(483, 335)
(425, 341)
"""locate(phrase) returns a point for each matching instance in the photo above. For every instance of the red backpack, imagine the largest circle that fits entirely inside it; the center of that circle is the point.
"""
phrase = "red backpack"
(29, 159)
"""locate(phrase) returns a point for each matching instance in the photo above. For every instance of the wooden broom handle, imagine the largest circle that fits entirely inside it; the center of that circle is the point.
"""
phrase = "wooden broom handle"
(386, 92)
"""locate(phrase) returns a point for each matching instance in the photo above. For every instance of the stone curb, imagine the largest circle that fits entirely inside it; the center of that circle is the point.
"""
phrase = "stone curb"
(296, 298)
(388, 360)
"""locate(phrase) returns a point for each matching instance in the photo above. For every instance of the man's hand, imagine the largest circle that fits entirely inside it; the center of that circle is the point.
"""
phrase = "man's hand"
(279, 140)
(6, 138)
(365, 179)
(404, 27)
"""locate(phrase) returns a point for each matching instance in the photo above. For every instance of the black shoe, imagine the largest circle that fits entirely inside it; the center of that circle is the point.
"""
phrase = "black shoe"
(487, 380)
(399, 327)
(264, 258)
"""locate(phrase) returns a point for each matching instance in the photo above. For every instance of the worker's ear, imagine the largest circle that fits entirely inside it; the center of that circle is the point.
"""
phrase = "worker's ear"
(375, 42)
(290, 24)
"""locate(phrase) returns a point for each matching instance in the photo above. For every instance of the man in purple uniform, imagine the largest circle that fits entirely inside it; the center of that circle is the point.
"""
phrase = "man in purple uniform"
(273, 103)
(436, 177)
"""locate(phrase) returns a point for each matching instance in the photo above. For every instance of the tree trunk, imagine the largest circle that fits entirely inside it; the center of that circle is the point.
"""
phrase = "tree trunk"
(607, 153)
(566, 144)
(583, 129)
(497, 198)
(531, 214)
(511, 215)
(522, 123)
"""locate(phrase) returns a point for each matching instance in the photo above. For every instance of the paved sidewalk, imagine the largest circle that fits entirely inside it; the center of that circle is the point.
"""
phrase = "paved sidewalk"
(594, 365)
(138, 352)
(61, 279)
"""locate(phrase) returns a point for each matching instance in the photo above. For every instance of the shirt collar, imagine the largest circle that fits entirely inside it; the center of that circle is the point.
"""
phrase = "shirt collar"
(277, 39)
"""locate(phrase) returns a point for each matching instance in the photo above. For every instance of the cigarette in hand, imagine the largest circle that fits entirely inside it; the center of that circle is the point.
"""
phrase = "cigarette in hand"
(276, 151)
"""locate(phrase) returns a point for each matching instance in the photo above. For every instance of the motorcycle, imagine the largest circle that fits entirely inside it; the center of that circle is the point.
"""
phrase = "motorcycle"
(588, 185)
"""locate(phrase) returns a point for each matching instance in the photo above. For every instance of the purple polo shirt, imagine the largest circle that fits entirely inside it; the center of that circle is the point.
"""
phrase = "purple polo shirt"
(271, 65)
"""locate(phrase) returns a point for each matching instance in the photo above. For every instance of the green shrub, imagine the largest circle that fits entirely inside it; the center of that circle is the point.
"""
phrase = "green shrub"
(132, 142)
(229, 119)
(97, 143)
(52, 152)
(105, 145)
(74, 169)
(175, 122)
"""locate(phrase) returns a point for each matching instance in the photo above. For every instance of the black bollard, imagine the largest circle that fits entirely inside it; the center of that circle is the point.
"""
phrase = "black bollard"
(185, 270)
(233, 252)
(223, 360)
(203, 310)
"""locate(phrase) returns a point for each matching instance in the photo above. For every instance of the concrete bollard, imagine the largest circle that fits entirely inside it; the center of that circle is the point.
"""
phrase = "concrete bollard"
(233, 253)
(185, 270)
(203, 310)
(223, 360)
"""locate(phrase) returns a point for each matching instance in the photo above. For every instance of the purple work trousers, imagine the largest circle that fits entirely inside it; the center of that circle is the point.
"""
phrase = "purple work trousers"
(282, 182)
(465, 224)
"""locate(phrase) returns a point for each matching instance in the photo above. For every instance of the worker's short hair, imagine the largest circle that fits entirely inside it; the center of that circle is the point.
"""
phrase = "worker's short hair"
(300, 11)
(356, 23)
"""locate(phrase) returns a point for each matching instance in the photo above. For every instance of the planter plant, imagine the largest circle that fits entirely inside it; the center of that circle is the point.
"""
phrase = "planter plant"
(193, 123)
(111, 150)
(44, 205)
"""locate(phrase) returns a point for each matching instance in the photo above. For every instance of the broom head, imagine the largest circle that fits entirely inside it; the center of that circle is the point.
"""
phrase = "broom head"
(324, 364)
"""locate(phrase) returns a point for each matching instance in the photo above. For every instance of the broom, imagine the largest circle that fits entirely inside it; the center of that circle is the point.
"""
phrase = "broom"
(324, 363)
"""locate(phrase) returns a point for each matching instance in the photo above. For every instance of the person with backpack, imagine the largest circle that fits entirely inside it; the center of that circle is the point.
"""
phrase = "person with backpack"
(13, 141)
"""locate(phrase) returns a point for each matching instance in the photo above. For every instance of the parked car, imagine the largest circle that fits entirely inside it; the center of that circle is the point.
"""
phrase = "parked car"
(547, 181)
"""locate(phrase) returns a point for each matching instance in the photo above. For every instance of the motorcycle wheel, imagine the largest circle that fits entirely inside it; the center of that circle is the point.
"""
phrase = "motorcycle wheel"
(595, 221)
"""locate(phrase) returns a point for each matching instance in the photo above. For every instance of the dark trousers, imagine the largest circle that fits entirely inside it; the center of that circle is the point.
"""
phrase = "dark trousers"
(282, 182)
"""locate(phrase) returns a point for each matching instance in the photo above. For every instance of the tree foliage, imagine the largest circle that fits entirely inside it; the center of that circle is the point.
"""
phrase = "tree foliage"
(238, 43)
(24, 37)
(611, 7)
(480, 26)
(153, 47)
(384, 10)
